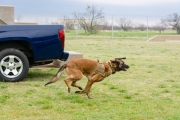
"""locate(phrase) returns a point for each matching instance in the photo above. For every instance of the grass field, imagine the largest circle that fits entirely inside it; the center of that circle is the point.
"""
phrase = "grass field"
(149, 90)
(133, 34)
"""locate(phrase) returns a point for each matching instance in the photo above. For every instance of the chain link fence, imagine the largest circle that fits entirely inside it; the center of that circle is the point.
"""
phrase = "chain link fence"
(142, 23)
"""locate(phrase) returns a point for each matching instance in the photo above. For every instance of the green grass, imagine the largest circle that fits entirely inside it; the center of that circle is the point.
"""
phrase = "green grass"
(132, 34)
(149, 90)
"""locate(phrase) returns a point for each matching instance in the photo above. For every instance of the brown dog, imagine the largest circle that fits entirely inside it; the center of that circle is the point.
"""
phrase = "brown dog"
(93, 70)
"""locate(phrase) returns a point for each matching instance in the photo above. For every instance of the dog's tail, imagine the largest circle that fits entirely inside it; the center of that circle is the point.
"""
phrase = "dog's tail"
(57, 76)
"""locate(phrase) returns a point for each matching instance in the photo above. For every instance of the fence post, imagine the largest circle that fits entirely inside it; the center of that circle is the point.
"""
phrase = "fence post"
(76, 30)
(147, 30)
(112, 28)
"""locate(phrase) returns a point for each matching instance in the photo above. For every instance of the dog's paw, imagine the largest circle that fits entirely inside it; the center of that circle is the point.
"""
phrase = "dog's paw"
(90, 97)
(80, 88)
(76, 92)
(69, 90)
(79, 92)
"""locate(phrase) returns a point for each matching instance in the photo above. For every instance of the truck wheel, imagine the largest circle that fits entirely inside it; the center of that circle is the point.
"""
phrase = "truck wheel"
(14, 65)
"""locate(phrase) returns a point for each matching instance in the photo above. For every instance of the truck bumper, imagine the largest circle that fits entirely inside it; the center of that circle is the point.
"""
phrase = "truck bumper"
(64, 56)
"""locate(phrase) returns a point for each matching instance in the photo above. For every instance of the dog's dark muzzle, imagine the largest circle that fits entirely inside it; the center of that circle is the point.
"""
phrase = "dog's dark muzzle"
(124, 67)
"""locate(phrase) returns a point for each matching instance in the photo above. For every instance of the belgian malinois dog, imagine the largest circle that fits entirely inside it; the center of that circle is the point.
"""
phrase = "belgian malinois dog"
(93, 70)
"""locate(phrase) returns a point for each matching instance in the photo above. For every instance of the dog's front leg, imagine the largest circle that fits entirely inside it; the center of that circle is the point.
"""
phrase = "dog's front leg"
(86, 90)
(95, 78)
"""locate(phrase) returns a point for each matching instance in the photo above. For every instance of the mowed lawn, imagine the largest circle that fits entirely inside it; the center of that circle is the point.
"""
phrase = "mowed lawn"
(149, 90)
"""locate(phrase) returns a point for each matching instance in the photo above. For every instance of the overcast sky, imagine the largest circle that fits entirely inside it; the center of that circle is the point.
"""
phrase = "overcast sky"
(52, 10)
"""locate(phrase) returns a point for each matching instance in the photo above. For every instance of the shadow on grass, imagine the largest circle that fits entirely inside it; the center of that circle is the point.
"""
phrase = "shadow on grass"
(40, 74)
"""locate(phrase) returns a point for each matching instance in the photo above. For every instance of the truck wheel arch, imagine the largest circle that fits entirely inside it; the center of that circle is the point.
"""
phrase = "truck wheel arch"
(21, 45)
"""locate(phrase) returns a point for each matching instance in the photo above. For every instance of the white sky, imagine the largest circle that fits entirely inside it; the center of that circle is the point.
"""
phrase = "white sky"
(51, 10)
(129, 2)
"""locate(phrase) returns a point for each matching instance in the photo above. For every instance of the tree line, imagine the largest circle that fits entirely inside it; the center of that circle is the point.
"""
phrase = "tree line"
(93, 19)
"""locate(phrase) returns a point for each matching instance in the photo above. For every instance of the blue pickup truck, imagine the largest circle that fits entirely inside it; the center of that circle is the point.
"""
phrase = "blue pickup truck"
(24, 46)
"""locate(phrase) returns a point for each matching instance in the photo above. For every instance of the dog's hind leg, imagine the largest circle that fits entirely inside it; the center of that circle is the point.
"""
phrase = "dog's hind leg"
(74, 85)
(74, 75)
(67, 83)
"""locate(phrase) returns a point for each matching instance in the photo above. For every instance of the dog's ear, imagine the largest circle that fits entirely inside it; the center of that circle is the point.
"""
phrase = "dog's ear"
(120, 58)
(113, 61)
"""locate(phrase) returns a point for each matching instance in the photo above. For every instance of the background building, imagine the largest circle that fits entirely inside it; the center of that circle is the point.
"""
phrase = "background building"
(6, 14)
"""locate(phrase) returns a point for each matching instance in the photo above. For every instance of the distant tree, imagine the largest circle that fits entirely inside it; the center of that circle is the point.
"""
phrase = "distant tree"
(104, 25)
(161, 26)
(174, 21)
(90, 19)
(124, 24)
(141, 27)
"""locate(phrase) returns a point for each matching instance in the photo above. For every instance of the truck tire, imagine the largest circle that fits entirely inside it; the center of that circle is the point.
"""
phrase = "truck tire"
(14, 65)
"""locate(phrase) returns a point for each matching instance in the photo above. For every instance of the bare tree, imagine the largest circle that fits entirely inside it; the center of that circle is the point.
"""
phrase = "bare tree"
(90, 19)
(81, 20)
(124, 24)
(161, 26)
(141, 26)
(174, 21)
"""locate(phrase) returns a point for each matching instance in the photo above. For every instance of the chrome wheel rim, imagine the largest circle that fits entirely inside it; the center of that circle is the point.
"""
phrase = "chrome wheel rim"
(11, 66)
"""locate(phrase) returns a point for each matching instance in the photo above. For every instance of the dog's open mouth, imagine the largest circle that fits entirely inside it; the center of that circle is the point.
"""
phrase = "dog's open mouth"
(125, 68)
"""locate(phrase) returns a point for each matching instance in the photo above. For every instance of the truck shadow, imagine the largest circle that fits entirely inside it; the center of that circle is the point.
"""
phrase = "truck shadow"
(40, 74)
